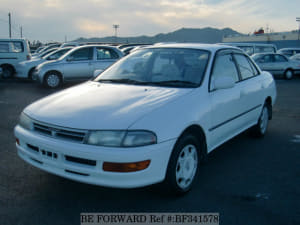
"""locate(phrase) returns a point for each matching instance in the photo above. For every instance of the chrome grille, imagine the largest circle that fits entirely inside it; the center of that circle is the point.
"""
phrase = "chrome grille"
(61, 133)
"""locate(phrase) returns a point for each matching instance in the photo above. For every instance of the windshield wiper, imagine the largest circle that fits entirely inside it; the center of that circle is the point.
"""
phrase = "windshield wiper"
(173, 83)
(176, 82)
(124, 81)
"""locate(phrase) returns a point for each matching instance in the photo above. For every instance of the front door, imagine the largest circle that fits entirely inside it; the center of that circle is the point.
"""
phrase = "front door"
(78, 65)
(224, 102)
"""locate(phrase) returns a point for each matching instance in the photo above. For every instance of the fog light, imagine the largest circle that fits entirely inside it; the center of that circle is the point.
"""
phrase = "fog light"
(125, 167)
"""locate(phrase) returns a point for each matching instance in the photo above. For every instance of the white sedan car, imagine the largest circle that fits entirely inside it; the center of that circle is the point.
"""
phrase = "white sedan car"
(151, 117)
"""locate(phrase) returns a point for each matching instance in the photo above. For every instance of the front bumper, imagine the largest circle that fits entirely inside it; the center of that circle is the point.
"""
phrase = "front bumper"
(35, 76)
(21, 72)
(57, 156)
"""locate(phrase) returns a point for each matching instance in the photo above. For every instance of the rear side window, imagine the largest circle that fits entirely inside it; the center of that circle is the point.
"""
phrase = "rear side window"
(246, 70)
(105, 53)
(11, 46)
(224, 66)
(279, 58)
(263, 49)
(4, 46)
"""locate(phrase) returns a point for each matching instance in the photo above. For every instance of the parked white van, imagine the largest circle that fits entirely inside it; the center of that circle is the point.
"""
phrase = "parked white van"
(12, 51)
(253, 48)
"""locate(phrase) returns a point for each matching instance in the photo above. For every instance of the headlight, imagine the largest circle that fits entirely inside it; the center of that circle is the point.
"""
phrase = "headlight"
(25, 121)
(121, 138)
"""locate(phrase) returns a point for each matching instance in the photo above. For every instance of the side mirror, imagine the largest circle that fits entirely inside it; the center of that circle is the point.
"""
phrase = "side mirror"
(224, 82)
(69, 59)
(97, 73)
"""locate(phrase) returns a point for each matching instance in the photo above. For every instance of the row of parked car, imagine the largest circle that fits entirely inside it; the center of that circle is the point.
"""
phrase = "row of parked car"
(57, 63)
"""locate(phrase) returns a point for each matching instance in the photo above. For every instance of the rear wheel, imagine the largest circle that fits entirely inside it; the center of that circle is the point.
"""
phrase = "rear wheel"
(183, 165)
(53, 79)
(288, 74)
(260, 129)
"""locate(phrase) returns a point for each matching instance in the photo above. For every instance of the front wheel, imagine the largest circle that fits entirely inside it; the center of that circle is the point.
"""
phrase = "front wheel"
(7, 72)
(288, 74)
(52, 79)
(183, 165)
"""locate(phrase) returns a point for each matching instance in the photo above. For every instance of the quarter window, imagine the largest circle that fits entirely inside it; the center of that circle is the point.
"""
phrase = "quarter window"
(224, 66)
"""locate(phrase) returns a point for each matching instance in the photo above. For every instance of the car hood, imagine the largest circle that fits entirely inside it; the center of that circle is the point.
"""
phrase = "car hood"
(32, 62)
(95, 105)
(48, 63)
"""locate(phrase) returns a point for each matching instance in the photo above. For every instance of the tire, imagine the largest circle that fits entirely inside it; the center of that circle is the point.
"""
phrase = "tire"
(183, 165)
(288, 74)
(260, 129)
(52, 79)
(7, 72)
(30, 74)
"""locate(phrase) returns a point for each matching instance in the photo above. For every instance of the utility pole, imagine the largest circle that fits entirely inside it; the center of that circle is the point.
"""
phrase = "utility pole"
(21, 31)
(116, 26)
(9, 24)
(298, 20)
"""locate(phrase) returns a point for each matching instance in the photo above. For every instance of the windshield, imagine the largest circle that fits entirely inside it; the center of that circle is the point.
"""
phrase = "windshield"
(159, 66)
(56, 54)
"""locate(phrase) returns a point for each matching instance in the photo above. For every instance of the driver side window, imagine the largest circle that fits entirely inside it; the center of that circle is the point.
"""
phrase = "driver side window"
(224, 66)
(82, 54)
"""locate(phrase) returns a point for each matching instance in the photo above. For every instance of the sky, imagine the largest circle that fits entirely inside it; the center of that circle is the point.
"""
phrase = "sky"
(60, 20)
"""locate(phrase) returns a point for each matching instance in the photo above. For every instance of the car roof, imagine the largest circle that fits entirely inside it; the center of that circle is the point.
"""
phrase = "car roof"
(282, 49)
(209, 47)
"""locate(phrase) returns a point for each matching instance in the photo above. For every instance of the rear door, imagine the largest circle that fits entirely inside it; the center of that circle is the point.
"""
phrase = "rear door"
(104, 58)
(280, 64)
(251, 84)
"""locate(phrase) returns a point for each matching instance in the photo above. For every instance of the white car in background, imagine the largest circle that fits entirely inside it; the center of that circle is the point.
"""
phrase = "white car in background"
(13, 51)
(78, 64)
(151, 117)
(25, 69)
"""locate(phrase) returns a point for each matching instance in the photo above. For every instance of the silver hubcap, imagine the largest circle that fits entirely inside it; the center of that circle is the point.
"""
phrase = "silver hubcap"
(53, 80)
(264, 120)
(186, 166)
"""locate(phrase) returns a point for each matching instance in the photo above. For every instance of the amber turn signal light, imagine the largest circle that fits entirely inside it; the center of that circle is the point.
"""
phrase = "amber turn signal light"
(125, 167)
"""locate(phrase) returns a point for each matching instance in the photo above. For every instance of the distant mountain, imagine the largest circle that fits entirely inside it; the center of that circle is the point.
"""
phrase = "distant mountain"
(204, 35)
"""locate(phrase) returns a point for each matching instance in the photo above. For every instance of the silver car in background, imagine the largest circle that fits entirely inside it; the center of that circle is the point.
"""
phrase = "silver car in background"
(277, 64)
(78, 64)
(25, 69)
